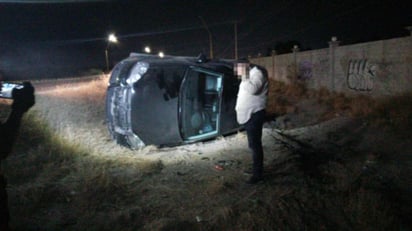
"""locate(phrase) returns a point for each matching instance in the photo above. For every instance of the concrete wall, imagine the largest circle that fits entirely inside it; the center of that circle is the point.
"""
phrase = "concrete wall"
(378, 69)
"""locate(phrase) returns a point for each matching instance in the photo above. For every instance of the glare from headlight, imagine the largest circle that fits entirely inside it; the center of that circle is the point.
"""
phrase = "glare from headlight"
(139, 69)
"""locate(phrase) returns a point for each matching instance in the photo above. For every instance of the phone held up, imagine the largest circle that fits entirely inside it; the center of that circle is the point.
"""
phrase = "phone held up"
(6, 89)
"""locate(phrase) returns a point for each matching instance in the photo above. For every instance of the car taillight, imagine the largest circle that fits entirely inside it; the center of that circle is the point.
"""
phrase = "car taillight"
(138, 70)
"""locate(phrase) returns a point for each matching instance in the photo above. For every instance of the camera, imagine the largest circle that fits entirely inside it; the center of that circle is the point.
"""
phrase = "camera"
(7, 89)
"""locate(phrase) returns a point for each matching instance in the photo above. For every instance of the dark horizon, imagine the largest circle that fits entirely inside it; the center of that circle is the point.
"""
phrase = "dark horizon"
(63, 38)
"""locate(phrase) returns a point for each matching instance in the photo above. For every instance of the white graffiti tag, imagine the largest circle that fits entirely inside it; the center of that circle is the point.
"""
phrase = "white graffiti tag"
(361, 75)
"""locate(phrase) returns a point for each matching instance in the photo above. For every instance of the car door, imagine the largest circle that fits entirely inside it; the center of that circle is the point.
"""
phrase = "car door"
(200, 104)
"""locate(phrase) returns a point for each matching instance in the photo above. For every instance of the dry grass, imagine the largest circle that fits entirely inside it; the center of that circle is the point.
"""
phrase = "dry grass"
(65, 174)
(391, 113)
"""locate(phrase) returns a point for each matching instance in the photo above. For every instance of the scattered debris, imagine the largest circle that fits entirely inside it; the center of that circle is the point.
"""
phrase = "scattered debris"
(219, 167)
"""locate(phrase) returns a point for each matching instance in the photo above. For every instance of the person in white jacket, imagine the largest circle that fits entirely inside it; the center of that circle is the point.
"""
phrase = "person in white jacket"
(250, 112)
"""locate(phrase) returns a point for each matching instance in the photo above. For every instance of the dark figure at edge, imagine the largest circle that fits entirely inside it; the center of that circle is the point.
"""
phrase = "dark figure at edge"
(23, 100)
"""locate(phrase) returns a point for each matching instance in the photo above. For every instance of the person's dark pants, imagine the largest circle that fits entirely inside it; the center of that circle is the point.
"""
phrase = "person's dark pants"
(4, 210)
(253, 129)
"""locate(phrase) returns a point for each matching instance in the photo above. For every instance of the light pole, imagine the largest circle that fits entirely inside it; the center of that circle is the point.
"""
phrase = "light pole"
(110, 39)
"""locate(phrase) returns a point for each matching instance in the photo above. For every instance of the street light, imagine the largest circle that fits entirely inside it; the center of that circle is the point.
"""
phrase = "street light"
(147, 50)
(111, 39)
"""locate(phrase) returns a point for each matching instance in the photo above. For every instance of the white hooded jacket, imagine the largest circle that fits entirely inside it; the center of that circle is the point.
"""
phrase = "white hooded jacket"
(252, 95)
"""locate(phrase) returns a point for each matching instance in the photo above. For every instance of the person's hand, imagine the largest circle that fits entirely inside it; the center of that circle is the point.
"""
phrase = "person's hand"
(23, 99)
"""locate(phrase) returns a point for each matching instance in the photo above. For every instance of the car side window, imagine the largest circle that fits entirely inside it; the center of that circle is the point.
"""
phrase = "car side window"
(200, 104)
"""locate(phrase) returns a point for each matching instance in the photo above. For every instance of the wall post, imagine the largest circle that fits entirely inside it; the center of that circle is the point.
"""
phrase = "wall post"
(332, 47)
(295, 59)
(273, 64)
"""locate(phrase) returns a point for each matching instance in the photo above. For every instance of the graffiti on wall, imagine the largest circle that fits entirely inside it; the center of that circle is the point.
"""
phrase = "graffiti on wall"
(305, 70)
(361, 74)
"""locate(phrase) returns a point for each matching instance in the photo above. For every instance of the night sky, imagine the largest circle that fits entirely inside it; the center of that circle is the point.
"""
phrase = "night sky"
(43, 39)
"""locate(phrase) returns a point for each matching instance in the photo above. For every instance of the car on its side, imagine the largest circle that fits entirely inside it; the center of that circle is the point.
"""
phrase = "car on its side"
(171, 100)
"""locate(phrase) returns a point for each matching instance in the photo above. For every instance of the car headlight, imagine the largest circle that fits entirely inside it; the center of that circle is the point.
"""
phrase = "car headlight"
(138, 70)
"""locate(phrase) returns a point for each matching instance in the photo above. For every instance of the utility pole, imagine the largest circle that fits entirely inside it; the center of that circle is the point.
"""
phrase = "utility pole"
(210, 37)
(236, 54)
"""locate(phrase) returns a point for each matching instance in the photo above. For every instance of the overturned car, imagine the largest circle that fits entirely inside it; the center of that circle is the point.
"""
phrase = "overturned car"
(167, 101)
